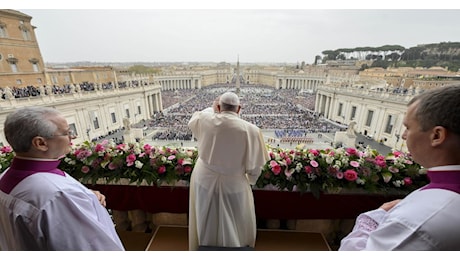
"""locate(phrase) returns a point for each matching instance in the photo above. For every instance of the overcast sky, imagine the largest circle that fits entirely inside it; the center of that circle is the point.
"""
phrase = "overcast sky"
(220, 34)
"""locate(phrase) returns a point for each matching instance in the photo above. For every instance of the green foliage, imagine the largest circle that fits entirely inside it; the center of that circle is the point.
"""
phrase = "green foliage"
(141, 69)
(444, 54)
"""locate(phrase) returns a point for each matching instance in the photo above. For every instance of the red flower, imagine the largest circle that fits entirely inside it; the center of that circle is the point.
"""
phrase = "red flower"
(161, 169)
(276, 169)
(407, 181)
(350, 175)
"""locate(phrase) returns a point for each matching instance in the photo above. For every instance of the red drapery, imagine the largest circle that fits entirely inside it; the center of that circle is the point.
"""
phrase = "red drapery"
(269, 204)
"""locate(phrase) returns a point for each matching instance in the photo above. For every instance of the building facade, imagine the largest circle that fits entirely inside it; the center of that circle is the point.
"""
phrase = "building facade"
(21, 62)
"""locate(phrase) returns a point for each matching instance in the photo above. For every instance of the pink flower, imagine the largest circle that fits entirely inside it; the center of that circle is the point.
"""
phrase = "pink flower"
(289, 172)
(351, 151)
(354, 164)
(350, 175)
(314, 152)
(85, 169)
(308, 169)
(314, 163)
(99, 148)
(147, 148)
(339, 175)
(407, 181)
(112, 166)
(273, 163)
(130, 159)
(380, 161)
(171, 157)
(161, 169)
(6, 149)
(187, 169)
(393, 169)
(82, 154)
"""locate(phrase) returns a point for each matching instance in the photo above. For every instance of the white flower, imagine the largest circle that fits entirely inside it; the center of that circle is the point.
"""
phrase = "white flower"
(398, 183)
(138, 164)
(298, 167)
(338, 164)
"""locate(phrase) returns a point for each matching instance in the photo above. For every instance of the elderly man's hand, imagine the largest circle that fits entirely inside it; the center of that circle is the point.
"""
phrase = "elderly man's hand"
(100, 197)
(389, 205)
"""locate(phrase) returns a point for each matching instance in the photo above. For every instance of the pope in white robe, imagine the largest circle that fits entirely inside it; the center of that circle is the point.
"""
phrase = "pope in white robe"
(231, 154)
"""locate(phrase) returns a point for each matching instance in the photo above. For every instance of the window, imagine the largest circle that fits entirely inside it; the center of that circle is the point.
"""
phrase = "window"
(19, 81)
(66, 79)
(353, 113)
(25, 31)
(370, 115)
(54, 80)
(339, 112)
(114, 118)
(73, 128)
(127, 113)
(39, 80)
(35, 67)
(96, 123)
(390, 123)
(94, 118)
(139, 110)
(3, 31)
(14, 67)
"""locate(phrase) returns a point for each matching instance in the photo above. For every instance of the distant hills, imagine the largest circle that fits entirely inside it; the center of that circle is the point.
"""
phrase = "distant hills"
(444, 54)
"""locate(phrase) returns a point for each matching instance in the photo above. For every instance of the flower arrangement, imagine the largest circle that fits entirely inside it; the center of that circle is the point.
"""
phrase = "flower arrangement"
(89, 162)
(6, 155)
(304, 170)
(331, 170)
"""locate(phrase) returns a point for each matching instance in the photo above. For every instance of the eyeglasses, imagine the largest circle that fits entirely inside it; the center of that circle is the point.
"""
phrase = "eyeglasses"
(69, 133)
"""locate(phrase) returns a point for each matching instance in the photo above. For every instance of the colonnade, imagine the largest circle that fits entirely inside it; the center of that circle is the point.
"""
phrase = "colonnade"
(177, 83)
(298, 83)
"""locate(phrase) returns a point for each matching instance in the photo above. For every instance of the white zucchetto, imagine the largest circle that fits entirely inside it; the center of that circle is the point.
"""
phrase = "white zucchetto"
(229, 98)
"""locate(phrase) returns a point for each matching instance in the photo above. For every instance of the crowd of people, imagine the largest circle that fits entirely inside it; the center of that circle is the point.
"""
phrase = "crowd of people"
(43, 90)
(289, 112)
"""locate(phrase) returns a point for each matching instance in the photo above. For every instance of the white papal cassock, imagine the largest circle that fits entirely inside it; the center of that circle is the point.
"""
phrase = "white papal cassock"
(231, 154)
